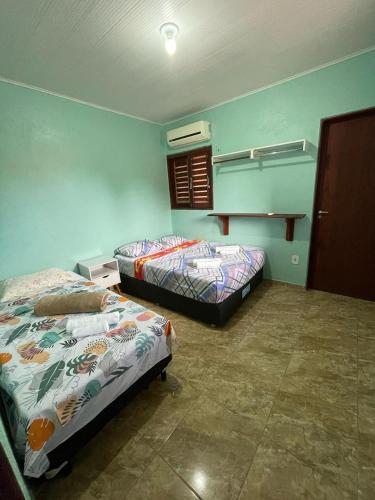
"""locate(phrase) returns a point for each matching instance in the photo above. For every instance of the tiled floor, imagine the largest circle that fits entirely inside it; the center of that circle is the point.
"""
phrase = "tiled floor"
(279, 404)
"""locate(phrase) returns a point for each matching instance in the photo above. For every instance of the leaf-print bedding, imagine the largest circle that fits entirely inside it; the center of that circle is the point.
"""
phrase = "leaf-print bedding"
(53, 384)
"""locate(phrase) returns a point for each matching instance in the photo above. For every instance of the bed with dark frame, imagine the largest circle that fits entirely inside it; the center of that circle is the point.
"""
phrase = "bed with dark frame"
(129, 357)
(62, 456)
(215, 314)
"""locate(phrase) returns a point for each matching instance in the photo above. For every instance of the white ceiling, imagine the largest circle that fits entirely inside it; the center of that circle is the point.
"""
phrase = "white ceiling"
(110, 52)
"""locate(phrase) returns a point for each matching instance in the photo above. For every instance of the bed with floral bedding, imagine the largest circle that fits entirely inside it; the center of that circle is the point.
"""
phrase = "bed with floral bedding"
(52, 384)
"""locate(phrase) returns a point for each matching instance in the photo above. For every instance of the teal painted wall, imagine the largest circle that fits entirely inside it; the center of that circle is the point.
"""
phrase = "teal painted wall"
(284, 112)
(75, 181)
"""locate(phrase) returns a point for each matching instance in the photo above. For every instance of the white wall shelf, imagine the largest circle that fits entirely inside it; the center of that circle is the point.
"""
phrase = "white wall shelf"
(300, 146)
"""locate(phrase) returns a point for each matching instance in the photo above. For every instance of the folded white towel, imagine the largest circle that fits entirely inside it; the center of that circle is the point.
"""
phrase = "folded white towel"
(206, 263)
(113, 318)
(97, 328)
(228, 249)
(87, 320)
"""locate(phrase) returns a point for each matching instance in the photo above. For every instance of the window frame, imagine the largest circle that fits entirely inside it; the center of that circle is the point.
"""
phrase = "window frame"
(171, 178)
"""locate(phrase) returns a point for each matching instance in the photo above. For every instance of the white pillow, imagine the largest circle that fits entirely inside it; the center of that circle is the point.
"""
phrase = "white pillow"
(139, 248)
(172, 240)
(28, 284)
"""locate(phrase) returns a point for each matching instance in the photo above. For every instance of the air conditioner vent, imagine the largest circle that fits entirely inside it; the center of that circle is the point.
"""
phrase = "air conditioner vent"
(189, 134)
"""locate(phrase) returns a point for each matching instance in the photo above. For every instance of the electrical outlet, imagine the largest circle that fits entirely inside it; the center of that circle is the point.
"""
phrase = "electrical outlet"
(295, 259)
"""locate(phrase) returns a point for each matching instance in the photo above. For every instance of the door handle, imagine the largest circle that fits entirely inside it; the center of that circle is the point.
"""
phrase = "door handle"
(320, 212)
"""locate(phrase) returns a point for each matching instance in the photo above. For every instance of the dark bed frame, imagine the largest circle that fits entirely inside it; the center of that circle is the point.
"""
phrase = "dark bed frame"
(214, 314)
(64, 452)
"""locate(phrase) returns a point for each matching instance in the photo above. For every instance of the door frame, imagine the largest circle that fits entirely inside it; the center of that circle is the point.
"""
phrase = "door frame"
(324, 122)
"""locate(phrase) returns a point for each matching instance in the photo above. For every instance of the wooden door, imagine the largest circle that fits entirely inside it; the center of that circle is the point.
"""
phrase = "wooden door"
(9, 485)
(342, 253)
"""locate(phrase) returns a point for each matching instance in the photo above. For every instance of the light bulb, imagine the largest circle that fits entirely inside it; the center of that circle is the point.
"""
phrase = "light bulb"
(170, 46)
(169, 32)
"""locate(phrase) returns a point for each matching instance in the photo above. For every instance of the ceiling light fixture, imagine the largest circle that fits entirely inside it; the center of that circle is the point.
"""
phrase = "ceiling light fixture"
(169, 32)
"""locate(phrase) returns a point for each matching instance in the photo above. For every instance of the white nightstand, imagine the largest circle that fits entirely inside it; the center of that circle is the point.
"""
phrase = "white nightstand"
(102, 270)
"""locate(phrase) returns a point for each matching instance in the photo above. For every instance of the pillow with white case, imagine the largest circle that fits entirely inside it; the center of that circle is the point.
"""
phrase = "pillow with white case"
(30, 284)
(139, 248)
(172, 240)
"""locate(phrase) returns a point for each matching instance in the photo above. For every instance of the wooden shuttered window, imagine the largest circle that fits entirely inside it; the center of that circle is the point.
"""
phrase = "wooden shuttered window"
(190, 179)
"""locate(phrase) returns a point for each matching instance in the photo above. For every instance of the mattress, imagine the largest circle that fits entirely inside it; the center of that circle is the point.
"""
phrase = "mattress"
(52, 385)
(175, 272)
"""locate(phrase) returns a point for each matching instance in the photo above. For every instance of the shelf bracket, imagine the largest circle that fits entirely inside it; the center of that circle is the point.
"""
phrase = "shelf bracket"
(289, 232)
(225, 220)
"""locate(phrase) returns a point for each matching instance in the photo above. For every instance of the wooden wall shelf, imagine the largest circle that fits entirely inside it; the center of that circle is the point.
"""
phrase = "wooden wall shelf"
(289, 219)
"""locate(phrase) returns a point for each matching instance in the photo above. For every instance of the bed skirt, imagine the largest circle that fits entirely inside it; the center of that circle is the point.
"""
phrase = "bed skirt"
(214, 314)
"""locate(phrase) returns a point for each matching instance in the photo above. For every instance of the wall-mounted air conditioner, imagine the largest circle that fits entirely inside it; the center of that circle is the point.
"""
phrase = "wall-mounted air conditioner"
(189, 134)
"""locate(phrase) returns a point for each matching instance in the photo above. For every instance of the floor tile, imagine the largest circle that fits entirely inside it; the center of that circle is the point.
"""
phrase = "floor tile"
(241, 398)
(330, 377)
(211, 449)
(335, 344)
(304, 425)
(110, 464)
(277, 474)
(262, 371)
(159, 482)
(366, 413)
(366, 330)
(268, 338)
(366, 349)
(366, 450)
(327, 325)
(193, 366)
(155, 413)
(366, 484)
(366, 378)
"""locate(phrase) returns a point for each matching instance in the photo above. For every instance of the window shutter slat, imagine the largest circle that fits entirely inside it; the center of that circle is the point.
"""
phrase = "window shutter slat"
(182, 183)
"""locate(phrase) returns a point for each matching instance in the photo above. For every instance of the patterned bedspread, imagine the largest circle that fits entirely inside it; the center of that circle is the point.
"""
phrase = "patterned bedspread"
(52, 385)
(174, 271)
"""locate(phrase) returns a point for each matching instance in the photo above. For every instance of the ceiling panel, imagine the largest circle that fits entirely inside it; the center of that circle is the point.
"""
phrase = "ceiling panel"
(110, 52)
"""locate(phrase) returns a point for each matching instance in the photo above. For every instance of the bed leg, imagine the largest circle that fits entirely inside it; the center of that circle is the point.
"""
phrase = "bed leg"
(163, 375)
(63, 470)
